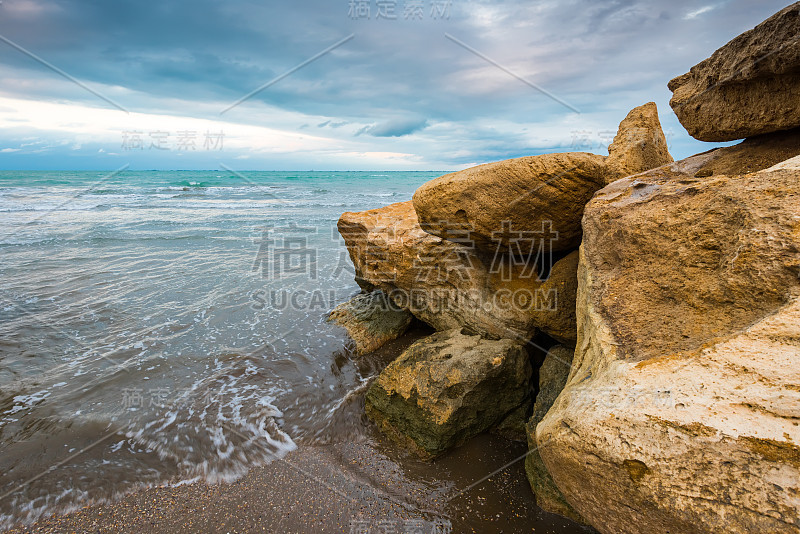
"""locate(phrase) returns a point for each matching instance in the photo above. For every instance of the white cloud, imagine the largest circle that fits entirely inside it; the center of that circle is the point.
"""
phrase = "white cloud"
(696, 13)
(29, 8)
(98, 126)
(109, 132)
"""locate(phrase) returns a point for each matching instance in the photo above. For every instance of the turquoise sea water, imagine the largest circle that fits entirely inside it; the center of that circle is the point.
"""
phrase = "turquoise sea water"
(163, 326)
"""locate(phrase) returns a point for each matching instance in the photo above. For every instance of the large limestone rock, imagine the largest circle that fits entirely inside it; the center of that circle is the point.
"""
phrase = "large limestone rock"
(513, 427)
(534, 204)
(553, 376)
(682, 409)
(640, 144)
(748, 87)
(540, 196)
(753, 154)
(447, 388)
(450, 285)
(558, 319)
(371, 320)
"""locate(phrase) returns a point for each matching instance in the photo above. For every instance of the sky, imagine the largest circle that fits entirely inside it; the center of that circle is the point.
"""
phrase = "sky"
(341, 84)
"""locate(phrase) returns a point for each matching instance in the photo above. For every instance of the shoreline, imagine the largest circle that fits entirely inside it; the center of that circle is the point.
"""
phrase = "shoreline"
(333, 488)
(330, 488)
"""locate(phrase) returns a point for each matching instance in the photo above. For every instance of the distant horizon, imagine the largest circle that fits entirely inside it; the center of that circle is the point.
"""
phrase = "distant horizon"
(223, 170)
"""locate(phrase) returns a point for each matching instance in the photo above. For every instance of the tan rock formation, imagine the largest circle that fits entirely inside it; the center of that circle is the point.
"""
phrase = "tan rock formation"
(682, 407)
(639, 145)
(443, 390)
(753, 154)
(749, 87)
(531, 204)
(541, 196)
(371, 320)
(558, 320)
(450, 285)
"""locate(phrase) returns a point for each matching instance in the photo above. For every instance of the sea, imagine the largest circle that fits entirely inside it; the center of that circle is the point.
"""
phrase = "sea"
(170, 327)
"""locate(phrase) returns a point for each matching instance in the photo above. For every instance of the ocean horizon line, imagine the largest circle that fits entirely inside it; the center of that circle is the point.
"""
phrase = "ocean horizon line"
(222, 170)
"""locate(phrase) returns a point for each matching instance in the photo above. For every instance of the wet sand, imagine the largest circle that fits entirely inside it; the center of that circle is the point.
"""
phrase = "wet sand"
(339, 488)
(366, 484)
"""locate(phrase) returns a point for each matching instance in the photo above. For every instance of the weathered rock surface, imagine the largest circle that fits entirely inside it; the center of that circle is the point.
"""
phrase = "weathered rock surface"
(557, 317)
(750, 86)
(552, 377)
(749, 156)
(513, 427)
(753, 154)
(449, 285)
(371, 320)
(639, 145)
(447, 388)
(543, 196)
(527, 203)
(682, 407)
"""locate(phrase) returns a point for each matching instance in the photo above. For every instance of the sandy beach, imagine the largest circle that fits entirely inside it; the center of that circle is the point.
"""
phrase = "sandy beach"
(339, 488)
(368, 484)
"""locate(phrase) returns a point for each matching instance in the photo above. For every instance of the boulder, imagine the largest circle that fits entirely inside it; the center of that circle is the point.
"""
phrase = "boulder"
(552, 377)
(446, 284)
(520, 204)
(750, 86)
(639, 145)
(681, 410)
(513, 427)
(534, 205)
(371, 320)
(447, 388)
(556, 317)
(753, 154)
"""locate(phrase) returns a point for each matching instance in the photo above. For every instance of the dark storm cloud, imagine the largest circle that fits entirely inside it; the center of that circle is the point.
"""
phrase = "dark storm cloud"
(394, 128)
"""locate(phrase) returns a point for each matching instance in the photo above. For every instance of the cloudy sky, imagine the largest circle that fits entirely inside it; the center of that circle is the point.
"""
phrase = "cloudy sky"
(345, 84)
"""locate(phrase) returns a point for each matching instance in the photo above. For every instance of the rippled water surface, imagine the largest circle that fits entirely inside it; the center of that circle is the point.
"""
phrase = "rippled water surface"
(170, 326)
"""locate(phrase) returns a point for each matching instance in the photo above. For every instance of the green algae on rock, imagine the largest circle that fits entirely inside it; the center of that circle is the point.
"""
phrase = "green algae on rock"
(553, 376)
(447, 388)
(371, 320)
